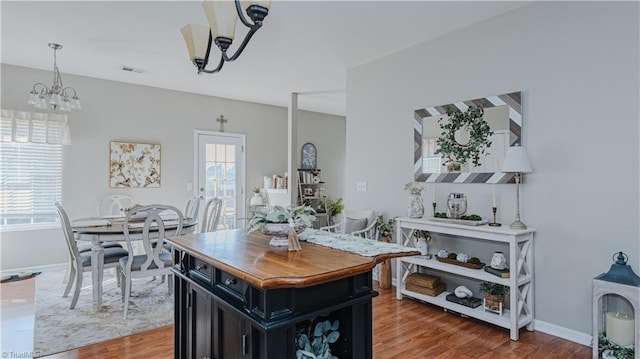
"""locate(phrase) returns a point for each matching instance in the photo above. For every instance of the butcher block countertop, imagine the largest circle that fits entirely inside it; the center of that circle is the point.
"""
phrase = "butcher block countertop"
(248, 256)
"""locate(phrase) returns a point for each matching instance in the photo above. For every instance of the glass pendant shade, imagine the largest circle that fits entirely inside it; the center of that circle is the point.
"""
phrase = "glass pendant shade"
(33, 98)
(65, 106)
(55, 99)
(196, 38)
(75, 103)
(222, 17)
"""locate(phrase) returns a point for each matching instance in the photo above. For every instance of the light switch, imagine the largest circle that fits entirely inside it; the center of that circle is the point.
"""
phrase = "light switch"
(361, 186)
(189, 186)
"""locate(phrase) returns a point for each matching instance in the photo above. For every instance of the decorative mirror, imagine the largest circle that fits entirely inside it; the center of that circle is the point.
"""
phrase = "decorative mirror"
(503, 114)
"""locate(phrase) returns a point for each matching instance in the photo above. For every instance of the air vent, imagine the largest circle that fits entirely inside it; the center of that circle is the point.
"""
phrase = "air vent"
(133, 69)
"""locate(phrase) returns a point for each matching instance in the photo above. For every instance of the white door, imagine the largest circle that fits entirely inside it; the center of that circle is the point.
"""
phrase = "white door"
(220, 169)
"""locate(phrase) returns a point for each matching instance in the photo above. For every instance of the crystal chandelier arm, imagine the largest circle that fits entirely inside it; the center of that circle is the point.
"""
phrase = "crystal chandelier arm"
(43, 87)
(64, 93)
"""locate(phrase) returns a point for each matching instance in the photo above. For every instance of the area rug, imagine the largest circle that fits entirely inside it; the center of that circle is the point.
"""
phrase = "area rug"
(58, 328)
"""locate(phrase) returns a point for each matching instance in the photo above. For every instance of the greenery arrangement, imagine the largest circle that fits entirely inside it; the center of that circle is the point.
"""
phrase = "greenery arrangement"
(315, 345)
(279, 214)
(479, 131)
(334, 207)
(614, 349)
(414, 188)
(494, 288)
(385, 229)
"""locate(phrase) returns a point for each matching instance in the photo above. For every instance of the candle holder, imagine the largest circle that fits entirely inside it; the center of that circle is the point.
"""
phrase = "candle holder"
(494, 223)
(434, 208)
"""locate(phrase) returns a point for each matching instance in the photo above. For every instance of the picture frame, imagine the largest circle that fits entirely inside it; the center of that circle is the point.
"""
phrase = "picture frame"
(309, 156)
(134, 165)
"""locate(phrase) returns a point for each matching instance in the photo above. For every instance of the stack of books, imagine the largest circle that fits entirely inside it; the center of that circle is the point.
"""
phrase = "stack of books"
(502, 273)
(424, 284)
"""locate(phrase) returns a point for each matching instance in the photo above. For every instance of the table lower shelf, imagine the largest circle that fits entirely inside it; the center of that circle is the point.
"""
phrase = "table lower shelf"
(478, 313)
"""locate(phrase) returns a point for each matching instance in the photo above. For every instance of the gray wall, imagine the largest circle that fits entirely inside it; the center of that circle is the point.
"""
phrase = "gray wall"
(118, 111)
(576, 64)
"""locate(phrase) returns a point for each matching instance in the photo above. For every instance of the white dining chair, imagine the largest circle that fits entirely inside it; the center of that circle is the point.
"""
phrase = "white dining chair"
(211, 217)
(113, 205)
(154, 261)
(192, 208)
(80, 262)
(360, 223)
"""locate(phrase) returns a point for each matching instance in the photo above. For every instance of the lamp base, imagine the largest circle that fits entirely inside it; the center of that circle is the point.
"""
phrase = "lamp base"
(517, 225)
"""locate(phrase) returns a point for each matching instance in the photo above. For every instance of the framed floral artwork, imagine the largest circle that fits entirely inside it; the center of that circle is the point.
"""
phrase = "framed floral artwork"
(134, 165)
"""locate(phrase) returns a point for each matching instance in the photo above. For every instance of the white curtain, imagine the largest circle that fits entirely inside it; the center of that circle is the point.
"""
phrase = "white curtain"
(34, 127)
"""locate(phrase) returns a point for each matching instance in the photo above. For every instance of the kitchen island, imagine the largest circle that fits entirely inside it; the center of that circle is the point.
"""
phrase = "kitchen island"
(238, 297)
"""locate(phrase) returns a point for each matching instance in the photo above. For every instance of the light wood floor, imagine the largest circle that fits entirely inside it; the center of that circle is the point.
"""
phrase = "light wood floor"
(401, 329)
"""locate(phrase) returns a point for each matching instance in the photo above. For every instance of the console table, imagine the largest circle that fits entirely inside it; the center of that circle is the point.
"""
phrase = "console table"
(237, 297)
(520, 283)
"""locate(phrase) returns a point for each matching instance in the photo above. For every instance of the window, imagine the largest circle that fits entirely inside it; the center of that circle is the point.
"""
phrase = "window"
(30, 166)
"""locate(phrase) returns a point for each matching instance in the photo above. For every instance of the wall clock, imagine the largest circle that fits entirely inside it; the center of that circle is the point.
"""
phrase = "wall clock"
(309, 156)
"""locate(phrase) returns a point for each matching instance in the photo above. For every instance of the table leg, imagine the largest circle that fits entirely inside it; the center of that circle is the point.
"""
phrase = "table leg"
(97, 265)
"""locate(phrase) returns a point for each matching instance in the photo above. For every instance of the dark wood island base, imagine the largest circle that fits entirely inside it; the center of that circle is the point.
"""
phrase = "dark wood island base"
(237, 297)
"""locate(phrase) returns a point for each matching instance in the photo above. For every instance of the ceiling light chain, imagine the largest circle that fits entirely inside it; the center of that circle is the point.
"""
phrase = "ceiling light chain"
(222, 22)
(57, 96)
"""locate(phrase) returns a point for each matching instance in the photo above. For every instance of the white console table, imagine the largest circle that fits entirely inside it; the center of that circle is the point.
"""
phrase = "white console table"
(520, 283)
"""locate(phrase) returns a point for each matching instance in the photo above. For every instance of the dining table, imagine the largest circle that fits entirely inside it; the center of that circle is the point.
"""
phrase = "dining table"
(99, 230)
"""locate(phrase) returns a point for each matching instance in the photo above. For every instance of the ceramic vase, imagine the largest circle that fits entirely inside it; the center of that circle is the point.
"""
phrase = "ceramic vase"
(416, 206)
(422, 246)
(256, 200)
(498, 261)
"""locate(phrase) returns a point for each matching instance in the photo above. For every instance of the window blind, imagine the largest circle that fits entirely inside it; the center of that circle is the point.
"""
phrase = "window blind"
(30, 166)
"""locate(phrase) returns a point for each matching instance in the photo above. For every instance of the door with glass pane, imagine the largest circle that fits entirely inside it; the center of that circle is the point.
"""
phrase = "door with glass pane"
(220, 173)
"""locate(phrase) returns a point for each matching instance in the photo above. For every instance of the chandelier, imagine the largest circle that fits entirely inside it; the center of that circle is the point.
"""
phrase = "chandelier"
(222, 18)
(57, 96)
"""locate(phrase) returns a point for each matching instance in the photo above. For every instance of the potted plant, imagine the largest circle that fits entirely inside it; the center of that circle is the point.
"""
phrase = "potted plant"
(300, 216)
(333, 207)
(312, 342)
(494, 294)
(385, 230)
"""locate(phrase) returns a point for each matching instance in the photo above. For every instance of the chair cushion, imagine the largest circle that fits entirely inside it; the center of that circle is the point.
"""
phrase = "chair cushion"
(86, 247)
(354, 224)
(140, 259)
(111, 255)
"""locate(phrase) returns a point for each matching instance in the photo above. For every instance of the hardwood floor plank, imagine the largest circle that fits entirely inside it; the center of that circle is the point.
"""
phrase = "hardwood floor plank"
(401, 329)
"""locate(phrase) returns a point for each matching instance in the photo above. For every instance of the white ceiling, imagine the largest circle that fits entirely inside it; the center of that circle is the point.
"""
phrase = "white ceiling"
(304, 46)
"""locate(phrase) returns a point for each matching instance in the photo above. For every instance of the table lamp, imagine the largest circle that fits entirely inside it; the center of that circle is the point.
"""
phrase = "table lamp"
(516, 161)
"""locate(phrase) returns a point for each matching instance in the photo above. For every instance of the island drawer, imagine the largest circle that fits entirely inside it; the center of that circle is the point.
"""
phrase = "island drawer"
(230, 284)
(201, 270)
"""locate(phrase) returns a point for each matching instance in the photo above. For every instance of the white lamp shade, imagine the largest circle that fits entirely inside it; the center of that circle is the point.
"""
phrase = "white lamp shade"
(516, 160)
(197, 38)
(222, 17)
(264, 4)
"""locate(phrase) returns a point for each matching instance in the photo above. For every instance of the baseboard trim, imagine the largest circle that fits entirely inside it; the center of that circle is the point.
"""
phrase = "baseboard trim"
(562, 332)
(42, 268)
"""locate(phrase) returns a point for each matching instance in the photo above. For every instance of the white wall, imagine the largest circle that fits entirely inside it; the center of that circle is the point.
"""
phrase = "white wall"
(576, 64)
(118, 111)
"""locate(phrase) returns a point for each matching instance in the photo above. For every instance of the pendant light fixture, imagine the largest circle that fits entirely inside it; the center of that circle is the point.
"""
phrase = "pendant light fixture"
(57, 96)
(222, 17)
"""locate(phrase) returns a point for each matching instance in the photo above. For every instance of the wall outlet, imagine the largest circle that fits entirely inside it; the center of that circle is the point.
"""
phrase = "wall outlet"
(361, 186)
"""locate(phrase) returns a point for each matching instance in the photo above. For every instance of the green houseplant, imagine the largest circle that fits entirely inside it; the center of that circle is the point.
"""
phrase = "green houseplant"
(333, 207)
(303, 215)
(385, 229)
(494, 294)
(312, 342)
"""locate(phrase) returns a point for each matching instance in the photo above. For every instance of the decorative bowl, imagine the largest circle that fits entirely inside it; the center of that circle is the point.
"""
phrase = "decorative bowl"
(280, 232)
